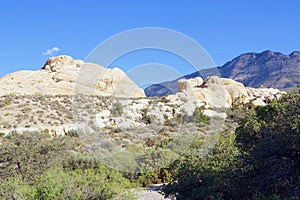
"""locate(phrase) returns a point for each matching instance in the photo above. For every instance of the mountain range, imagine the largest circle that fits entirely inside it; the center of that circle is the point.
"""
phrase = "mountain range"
(267, 69)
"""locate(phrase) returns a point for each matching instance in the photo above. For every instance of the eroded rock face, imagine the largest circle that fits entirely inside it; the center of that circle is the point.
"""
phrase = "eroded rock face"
(54, 63)
(184, 84)
(63, 75)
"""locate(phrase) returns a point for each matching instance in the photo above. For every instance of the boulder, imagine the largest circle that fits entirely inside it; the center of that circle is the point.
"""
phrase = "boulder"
(257, 102)
(182, 85)
(188, 84)
(215, 114)
(213, 80)
(236, 90)
(54, 63)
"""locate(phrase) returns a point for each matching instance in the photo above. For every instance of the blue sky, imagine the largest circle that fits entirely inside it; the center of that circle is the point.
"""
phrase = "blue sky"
(224, 28)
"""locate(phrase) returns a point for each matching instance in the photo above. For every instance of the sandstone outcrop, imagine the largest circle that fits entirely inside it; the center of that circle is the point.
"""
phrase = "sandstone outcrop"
(60, 113)
(54, 63)
(63, 75)
(224, 92)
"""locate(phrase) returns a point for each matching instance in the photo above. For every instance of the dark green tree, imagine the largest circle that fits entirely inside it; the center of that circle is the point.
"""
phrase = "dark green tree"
(270, 138)
(262, 162)
(205, 178)
(31, 154)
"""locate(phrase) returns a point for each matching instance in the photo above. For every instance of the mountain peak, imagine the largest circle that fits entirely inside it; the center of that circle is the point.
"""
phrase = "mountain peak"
(267, 53)
(266, 69)
(295, 53)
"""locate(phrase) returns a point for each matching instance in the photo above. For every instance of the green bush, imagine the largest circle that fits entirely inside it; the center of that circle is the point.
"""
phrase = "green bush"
(199, 117)
(117, 109)
(261, 161)
(15, 187)
(58, 184)
(51, 185)
(31, 154)
(91, 183)
(204, 178)
(270, 138)
(37, 166)
(73, 133)
(69, 116)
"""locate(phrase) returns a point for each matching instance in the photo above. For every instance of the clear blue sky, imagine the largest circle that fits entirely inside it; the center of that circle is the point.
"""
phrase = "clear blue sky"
(224, 28)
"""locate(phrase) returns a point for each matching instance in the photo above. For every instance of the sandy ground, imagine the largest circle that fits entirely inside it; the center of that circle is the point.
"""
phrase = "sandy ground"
(151, 193)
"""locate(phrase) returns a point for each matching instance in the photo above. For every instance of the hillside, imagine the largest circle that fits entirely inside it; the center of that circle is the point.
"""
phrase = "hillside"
(266, 69)
(57, 145)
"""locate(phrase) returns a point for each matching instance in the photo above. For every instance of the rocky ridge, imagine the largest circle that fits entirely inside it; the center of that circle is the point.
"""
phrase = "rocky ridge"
(60, 114)
(45, 100)
(258, 70)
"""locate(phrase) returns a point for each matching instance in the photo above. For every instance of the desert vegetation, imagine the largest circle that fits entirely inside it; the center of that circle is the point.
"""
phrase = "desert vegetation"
(259, 161)
(256, 156)
(37, 166)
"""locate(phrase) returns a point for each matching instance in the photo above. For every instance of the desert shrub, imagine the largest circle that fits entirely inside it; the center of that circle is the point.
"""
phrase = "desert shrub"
(170, 122)
(164, 143)
(200, 177)
(69, 116)
(199, 117)
(2, 104)
(15, 187)
(147, 119)
(117, 109)
(237, 114)
(260, 161)
(155, 166)
(30, 154)
(50, 185)
(56, 183)
(90, 183)
(162, 175)
(72, 133)
(150, 142)
(270, 136)
(4, 101)
(37, 166)
(94, 179)
(165, 100)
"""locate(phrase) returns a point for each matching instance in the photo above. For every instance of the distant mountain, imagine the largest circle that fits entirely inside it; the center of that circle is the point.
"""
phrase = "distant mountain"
(266, 69)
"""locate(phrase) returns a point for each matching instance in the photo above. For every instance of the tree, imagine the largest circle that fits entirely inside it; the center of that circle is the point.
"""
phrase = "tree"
(270, 138)
(37, 166)
(262, 162)
(31, 154)
(204, 178)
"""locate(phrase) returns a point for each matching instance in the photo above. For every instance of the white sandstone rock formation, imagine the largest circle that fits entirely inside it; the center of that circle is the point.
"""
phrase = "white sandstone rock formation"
(224, 92)
(184, 84)
(66, 76)
(63, 75)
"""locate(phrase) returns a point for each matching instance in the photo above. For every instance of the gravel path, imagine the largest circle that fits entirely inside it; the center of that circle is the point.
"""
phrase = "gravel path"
(151, 193)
